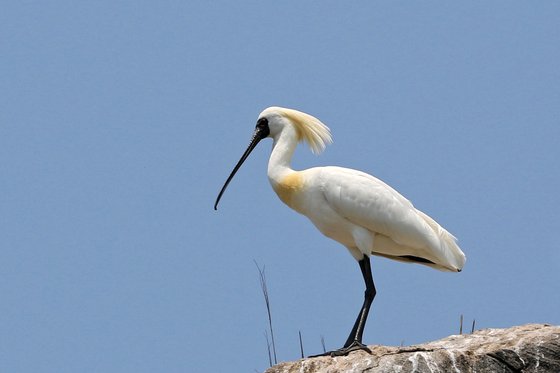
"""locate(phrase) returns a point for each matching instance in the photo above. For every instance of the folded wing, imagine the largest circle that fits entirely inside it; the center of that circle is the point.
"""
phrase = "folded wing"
(404, 231)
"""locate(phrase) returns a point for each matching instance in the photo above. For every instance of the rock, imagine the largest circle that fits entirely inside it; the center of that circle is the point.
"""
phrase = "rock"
(526, 348)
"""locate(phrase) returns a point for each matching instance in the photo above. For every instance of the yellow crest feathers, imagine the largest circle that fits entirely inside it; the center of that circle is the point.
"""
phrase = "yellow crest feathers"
(310, 129)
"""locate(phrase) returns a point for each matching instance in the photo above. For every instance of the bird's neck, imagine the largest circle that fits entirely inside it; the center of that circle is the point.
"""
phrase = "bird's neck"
(282, 151)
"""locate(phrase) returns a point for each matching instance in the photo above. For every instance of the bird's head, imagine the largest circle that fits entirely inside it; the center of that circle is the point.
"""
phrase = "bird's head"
(272, 121)
(307, 127)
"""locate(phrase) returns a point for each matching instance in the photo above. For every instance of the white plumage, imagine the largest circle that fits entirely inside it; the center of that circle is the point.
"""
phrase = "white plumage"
(354, 208)
(369, 217)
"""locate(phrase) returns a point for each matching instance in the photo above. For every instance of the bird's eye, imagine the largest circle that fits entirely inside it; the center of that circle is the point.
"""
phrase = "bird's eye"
(262, 122)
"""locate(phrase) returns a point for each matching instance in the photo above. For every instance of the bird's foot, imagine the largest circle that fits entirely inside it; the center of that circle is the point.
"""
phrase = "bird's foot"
(355, 346)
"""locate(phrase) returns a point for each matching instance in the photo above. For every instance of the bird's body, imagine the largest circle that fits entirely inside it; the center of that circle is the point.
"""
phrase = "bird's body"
(367, 216)
(354, 208)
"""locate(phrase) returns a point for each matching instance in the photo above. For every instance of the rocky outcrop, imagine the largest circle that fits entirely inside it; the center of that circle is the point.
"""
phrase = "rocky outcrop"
(527, 348)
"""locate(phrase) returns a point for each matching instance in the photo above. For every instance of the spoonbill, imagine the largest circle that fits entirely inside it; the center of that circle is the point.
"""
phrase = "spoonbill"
(354, 208)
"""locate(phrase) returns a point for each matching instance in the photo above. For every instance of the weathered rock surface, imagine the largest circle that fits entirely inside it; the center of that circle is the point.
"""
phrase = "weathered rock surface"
(526, 348)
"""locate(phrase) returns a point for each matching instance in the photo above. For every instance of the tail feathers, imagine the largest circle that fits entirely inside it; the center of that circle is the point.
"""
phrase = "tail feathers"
(452, 254)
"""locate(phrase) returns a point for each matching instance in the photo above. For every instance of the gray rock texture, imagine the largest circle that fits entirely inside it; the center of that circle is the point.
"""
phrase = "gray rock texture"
(526, 348)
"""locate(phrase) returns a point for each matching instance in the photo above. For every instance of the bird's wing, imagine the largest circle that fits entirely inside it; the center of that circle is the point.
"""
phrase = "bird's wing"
(370, 203)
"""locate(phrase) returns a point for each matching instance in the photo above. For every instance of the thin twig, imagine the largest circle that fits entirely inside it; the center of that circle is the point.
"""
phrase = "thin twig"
(323, 344)
(267, 301)
(461, 325)
(268, 348)
(473, 322)
(301, 344)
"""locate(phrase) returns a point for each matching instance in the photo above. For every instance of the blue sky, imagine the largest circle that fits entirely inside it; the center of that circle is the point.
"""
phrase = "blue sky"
(119, 122)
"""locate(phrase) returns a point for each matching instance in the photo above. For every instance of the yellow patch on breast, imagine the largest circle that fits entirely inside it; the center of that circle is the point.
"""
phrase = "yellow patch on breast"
(288, 187)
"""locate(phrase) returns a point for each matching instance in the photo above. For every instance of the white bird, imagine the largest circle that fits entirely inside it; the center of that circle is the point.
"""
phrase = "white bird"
(351, 207)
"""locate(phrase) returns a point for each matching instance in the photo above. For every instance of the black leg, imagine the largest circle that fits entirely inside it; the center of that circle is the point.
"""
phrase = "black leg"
(354, 341)
(369, 294)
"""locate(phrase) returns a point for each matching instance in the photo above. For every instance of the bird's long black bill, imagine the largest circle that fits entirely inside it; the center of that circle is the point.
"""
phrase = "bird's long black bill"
(257, 136)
